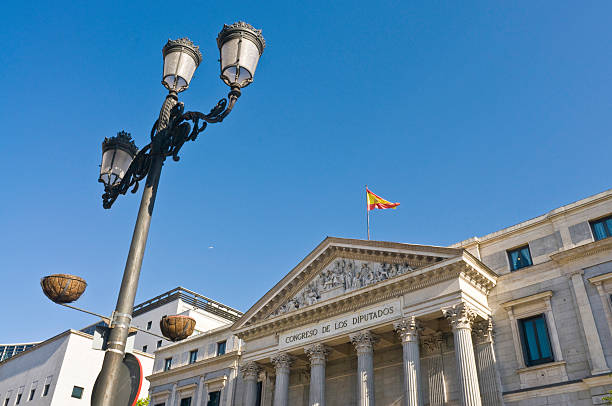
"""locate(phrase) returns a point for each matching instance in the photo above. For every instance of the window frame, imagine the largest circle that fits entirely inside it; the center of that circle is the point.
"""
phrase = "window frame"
(145, 348)
(32, 392)
(149, 325)
(525, 344)
(159, 343)
(193, 356)
(46, 389)
(80, 394)
(219, 343)
(167, 364)
(519, 248)
(183, 399)
(603, 221)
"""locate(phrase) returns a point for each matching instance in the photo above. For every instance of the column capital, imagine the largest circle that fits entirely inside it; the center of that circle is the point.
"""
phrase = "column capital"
(317, 353)
(363, 341)
(432, 343)
(282, 360)
(408, 329)
(250, 370)
(482, 331)
(460, 316)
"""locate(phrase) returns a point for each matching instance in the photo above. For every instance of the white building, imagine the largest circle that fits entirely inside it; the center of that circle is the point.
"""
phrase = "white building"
(60, 371)
(207, 313)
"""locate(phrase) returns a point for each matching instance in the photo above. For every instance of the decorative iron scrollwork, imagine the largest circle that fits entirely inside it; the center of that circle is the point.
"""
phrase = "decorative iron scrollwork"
(182, 127)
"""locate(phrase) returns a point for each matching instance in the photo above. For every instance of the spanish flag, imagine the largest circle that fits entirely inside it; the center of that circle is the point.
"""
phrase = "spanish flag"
(377, 202)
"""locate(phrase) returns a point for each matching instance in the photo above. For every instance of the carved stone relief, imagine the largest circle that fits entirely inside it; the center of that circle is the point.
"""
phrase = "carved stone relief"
(341, 276)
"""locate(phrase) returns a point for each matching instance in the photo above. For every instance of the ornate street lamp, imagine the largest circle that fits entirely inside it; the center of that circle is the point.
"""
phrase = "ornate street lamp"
(124, 166)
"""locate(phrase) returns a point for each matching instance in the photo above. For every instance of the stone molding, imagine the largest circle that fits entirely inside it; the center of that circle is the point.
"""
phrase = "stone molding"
(527, 299)
(282, 360)
(582, 251)
(408, 329)
(317, 353)
(389, 289)
(363, 341)
(599, 279)
(460, 316)
(250, 370)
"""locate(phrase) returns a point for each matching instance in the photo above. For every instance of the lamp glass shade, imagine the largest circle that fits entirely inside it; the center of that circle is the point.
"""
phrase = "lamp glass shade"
(117, 155)
(115, 163)
(240, 46)
(181, 59)
(239, 57)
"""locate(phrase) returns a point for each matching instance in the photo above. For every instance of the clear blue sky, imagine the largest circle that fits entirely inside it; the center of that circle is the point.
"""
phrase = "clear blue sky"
(473, 115)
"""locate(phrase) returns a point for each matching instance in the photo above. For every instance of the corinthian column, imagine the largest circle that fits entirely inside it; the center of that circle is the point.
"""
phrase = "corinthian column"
(432, 349)
(407, 329)
(250, 370)
(364, 345)
(489, 381)
(461, 317)
(318, 356)
(282, 361)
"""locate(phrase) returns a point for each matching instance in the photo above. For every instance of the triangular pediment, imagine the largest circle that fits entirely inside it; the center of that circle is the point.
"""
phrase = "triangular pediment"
(339, 266)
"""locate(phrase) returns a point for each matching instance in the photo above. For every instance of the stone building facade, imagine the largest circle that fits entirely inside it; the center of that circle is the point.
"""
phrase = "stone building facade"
(521, 316)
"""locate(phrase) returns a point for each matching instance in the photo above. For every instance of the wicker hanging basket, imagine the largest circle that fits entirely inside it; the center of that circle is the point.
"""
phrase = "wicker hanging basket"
(177, 328)
(63, 288)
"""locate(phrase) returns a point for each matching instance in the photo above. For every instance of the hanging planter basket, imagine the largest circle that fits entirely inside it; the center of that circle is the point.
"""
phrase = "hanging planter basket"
(63, 288)
(177, 328)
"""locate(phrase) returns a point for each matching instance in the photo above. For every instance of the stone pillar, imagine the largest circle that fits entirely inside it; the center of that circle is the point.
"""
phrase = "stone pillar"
(250, 371)
(364, 344)
(488, 376)
(407, 329)
(172, 401)
(432, 349)
(461, 317)
(199, 395)
(596, 354)
(317, 354)
(282, 362)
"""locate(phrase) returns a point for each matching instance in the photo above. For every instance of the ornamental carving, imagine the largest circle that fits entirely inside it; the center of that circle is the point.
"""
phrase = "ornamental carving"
(482, 331)
(363, 341)
(408, 329)
(282, 360)
(250, 370)
(460, 316)
(432, 344)
(341, 276)
(317, 353)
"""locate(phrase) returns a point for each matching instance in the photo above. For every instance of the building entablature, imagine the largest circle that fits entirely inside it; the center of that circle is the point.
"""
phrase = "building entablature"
(348, 277)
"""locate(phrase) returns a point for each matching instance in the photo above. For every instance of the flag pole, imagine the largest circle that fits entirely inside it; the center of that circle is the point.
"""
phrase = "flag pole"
(368, 212)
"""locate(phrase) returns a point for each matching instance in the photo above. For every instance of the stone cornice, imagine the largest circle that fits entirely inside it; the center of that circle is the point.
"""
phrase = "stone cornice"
(527, 299)
(228, 356)
(417, 256)
(353, 300)
(582, 251)
(595, 280)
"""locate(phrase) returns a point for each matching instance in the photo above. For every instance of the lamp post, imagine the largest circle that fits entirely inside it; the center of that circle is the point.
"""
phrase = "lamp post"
(123, 166)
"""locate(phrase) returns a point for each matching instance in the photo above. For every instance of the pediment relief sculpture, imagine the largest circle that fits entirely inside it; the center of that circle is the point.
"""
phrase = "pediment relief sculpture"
(341, 276)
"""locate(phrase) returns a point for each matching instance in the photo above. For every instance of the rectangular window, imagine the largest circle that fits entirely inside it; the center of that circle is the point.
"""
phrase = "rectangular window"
(193, 356)
(144, 348)
(32, 394)
(602, 228)
(18, 399)
(159, 344)
(519, 258)
(6, 401)
(536, 341)
(77, 392)
(46, 389)
(167, 364)
(214, 398)
(221, 348)
(186, 402)
(149, 324)
(259, 388)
